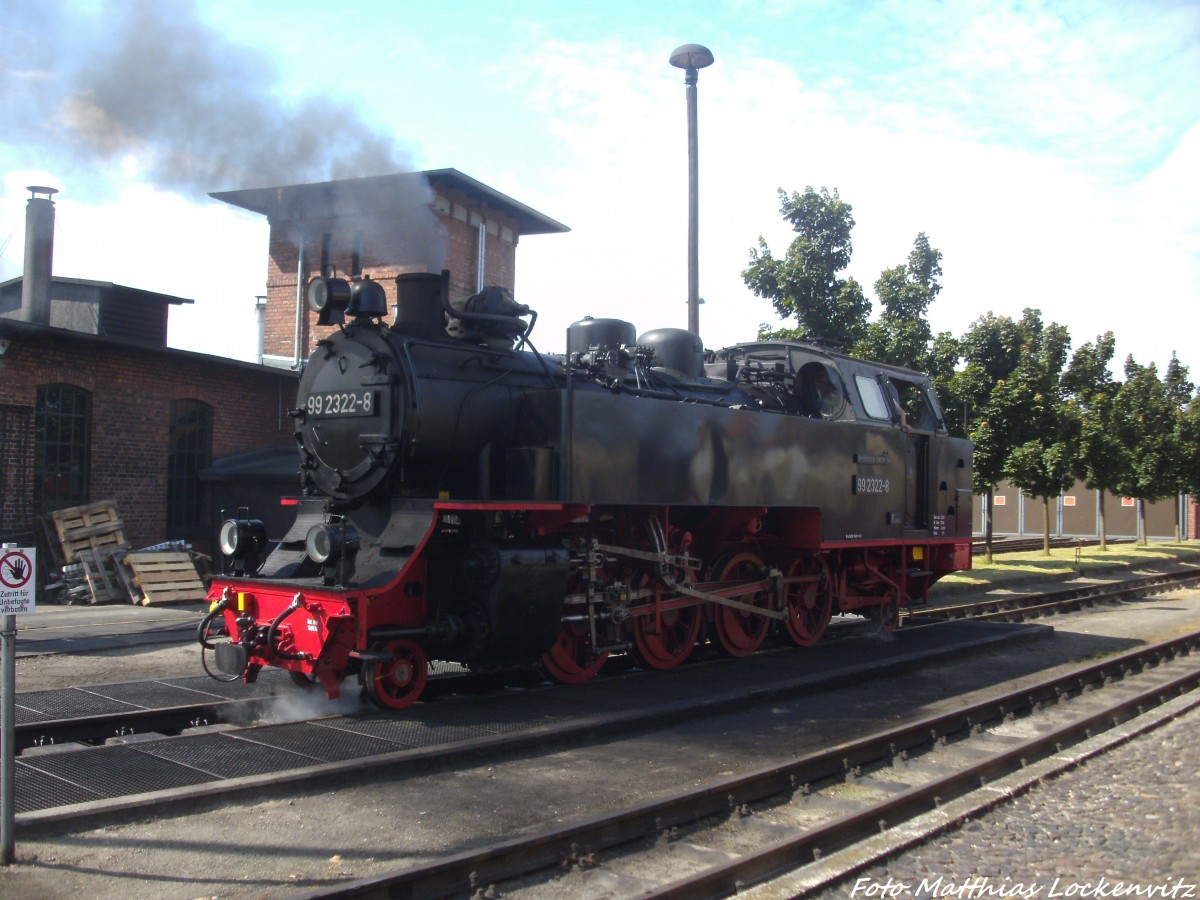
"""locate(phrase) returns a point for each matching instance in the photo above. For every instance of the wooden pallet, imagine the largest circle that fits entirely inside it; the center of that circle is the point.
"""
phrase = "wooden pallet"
(101, 571)
(165, 577)
(95, 527)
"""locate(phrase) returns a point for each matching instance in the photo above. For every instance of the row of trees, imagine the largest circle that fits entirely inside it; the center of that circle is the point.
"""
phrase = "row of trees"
(1039, 416)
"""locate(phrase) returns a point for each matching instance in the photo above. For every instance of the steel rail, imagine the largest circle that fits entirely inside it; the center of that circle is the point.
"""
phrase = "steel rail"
(526, 855)
(1049, 601)
(90, 729)
(780, 857)
(1024, 545)
(97, 728)
(167, 720)
(171, 623)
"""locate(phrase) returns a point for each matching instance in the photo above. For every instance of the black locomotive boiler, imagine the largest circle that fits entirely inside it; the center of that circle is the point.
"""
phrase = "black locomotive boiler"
(467, 498)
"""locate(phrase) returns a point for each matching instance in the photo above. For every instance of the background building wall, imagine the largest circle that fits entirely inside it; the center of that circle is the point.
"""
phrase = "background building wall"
(1076, 514)
(376, 238)
(132, 390)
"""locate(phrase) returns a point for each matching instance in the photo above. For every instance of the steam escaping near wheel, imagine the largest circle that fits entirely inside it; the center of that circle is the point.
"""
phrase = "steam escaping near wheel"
(304, 705)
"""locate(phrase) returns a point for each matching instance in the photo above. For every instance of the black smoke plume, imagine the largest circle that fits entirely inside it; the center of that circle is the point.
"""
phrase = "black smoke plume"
(198, 111)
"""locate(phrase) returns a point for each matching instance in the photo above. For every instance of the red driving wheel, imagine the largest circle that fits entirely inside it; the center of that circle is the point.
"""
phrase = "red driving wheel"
(740, 632)
(665, 643)
(885, 617)
(809, 603)
(571, 660)
(665, 640)
(398, 683)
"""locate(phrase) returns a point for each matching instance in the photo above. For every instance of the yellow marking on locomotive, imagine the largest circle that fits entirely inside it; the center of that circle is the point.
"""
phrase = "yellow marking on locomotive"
(918, 552)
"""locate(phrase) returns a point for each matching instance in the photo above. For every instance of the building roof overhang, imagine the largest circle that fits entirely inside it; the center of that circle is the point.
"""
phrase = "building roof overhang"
(76, 286)
(15, 330)
(330, 196)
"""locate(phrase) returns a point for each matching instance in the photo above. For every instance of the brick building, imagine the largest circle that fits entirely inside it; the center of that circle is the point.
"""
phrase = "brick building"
(376, 227)
(85, 417)
(95, 406)
(380, 227)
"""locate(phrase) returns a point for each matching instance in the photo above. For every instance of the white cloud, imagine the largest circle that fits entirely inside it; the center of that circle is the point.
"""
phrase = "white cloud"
(1017, 228)
(156, 241)
(1027, 147)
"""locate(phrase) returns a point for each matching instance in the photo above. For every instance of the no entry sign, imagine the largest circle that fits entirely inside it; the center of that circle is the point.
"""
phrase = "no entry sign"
(17, 581)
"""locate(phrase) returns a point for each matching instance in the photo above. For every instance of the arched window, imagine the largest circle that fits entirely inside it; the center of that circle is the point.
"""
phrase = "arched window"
(62, 435)
(191, 451)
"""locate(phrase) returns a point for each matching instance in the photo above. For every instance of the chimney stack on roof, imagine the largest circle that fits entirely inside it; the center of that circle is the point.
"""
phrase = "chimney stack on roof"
(39, 255)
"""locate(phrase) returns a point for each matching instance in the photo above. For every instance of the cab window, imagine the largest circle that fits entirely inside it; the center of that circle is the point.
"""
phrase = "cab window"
(818, 391)
(915, 404)
(872, 397)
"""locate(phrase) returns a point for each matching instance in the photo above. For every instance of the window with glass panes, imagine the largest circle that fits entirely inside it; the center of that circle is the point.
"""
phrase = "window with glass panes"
(191, 452)
(61, 444)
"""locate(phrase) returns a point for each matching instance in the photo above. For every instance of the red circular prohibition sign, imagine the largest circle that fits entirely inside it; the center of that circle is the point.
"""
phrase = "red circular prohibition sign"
(15, 569)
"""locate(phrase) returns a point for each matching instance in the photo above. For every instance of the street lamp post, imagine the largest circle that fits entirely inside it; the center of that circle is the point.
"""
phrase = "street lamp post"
(691, 58)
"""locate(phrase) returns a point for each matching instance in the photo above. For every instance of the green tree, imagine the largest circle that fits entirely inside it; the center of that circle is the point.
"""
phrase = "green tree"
(1101, 459)
(1180, 392)
(1179, 389)
(1146, 421)
(1189, 448)
(901, 335)
(991, 351)
(1040, 462)
(805, 284)
(943, 370)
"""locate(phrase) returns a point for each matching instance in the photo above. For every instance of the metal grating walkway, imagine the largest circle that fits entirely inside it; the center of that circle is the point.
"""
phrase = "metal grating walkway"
(67, 777)
(107, 699)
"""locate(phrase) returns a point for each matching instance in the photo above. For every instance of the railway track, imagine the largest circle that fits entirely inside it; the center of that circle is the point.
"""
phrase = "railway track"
(1019, 608)
(78, 787)
(806, 819)
(114, 712)
(538, 725)
(475, 788)
(100, 713)
(1024, 545)
(138, 719)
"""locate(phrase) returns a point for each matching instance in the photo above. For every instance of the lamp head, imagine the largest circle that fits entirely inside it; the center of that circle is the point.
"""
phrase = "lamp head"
(691, 56)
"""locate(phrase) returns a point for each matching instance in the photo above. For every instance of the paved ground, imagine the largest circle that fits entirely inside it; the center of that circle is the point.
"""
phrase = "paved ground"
(1134, 811)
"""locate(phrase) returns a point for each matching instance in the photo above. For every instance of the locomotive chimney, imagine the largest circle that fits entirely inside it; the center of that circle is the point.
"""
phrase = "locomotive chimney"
(39, 256)
(419, 305)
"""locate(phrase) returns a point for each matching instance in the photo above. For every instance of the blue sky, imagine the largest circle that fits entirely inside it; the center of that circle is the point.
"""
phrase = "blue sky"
(1050, 150)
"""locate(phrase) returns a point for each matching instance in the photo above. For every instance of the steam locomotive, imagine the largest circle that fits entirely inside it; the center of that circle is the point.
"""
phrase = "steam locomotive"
(469, 499)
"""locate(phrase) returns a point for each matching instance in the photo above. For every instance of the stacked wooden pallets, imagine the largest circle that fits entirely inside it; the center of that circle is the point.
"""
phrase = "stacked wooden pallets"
(165, 577)
(99, 566)
(90, 538)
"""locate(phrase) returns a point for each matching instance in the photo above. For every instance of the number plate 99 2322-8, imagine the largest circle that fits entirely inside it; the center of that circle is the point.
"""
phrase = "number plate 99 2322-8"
(869, 484)
(341, 403)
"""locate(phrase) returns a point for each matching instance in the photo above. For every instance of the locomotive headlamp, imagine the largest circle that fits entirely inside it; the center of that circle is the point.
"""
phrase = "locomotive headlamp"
(328, 298)
(327, 544)
(367, 298)
(242, 536)
(242, 540)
